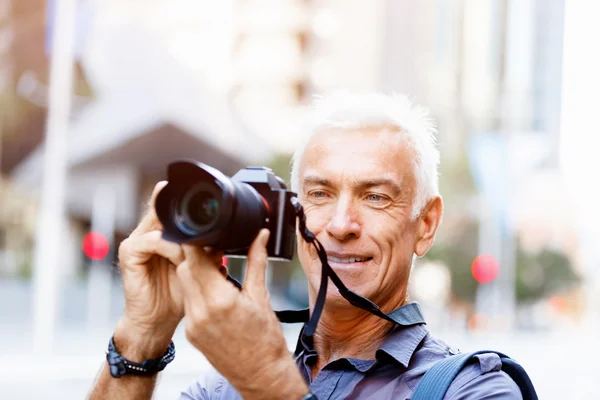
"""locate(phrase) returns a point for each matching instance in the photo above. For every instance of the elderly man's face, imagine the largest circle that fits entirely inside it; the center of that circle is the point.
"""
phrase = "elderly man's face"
(357, 188)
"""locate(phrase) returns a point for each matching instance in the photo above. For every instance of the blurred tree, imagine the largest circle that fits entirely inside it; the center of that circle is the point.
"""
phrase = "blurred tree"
(543, 274)
(457, 252)
(457, 240)
(281, 166)
(456, 179)
(539, 275)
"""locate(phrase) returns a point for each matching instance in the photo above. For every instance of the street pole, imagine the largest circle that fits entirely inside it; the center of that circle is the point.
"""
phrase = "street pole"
(51, 229)
(99, 279)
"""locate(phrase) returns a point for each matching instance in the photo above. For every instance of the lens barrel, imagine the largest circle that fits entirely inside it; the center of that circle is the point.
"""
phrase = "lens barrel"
(203, 205)
(198, 209)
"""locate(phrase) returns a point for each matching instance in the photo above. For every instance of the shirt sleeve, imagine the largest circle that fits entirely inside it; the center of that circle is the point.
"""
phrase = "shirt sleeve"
(207, 387)
(194, 392)
(210, 386)
(484, 381)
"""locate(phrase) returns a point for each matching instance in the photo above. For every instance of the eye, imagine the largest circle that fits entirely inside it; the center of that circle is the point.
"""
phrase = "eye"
(318, 194)
(375, 198)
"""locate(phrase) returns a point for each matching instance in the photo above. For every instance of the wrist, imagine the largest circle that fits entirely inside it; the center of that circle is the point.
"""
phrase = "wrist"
(138, 343)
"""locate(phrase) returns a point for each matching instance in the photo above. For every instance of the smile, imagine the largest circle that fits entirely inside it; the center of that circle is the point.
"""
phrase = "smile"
(347, 260)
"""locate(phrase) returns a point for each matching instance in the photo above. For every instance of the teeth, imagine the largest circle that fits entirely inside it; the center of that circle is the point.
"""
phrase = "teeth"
(347, 259)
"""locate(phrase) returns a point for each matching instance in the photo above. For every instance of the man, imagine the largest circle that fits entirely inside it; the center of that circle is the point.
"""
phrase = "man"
(367, 179)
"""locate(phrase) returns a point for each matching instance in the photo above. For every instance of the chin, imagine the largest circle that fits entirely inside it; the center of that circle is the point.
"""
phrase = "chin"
(335, 300)
(334, 297)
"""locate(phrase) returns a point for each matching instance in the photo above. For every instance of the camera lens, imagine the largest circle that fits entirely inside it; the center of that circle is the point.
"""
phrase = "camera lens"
(201, 204)
(199, 209)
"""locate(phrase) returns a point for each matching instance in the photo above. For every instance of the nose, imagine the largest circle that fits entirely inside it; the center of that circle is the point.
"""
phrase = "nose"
(344, 223)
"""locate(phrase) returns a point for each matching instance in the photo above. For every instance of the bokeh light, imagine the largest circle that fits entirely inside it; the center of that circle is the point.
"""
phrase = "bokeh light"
(95, 246)
(485, 268)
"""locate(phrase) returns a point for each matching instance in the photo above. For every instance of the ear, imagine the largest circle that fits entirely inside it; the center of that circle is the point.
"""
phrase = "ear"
(427, 225)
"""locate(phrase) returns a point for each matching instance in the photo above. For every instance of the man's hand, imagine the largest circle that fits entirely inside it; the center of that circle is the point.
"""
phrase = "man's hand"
(153, 295)
(153, 305)
(238, 331)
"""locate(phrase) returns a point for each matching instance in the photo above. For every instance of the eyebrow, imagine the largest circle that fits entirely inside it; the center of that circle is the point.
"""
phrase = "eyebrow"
(365, 184)
(317, 180)
(369, 183)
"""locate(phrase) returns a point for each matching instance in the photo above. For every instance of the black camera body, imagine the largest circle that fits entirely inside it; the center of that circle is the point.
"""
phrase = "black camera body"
(200, 204)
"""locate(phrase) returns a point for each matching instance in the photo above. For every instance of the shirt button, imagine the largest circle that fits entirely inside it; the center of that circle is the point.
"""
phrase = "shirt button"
(454, 351)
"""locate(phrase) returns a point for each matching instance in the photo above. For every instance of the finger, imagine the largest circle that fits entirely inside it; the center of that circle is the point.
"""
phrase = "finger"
(256, 269)
(150, 221)
(204, 293)
(192, 293)
(142, 247)
(205, 269)
(214, 254)
(194, 306)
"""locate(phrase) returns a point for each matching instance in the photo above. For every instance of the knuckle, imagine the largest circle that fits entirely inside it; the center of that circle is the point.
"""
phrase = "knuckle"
(183, 270)
(125, 245)
(153, 237)
(177, 255)
(190, 332)
(195, 321)
(124, 250)
(219, 306)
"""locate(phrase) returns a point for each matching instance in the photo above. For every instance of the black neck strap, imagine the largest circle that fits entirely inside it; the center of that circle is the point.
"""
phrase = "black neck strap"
(303, 316)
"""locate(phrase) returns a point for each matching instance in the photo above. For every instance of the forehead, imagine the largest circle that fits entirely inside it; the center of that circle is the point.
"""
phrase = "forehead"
(358, 154)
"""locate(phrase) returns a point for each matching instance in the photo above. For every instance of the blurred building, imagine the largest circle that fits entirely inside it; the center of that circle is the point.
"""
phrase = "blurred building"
(229, 83)
(21, 127)
(148, 109)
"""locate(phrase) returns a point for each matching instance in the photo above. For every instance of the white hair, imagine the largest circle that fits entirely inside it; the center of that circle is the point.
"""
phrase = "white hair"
(373, 110)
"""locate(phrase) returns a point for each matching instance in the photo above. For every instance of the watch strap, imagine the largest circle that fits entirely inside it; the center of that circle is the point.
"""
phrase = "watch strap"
(120, 366)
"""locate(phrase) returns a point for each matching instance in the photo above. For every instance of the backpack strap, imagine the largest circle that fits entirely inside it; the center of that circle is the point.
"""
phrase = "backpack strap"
(437, 379)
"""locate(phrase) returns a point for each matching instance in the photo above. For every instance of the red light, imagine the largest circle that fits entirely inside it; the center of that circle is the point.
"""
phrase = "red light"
(485, 268)
(224, 261)
(95, 246)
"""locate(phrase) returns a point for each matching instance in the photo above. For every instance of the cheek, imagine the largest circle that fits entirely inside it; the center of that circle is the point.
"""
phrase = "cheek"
(306, 251)
(399, 246)
(316, 222)
(303, 252)
(394, 241)
(316, 219)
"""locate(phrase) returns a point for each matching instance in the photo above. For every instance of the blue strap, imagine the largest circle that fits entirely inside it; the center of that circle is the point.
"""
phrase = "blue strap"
(518, 374)
(437, 379)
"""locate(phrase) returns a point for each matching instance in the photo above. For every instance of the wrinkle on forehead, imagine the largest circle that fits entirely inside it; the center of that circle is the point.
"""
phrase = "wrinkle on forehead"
(359, 154)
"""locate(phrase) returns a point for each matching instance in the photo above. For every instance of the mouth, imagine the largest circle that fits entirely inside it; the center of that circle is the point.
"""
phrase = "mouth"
(346, 261)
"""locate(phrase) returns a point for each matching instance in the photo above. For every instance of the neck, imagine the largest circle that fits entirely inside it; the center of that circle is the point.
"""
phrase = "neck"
(349, 332)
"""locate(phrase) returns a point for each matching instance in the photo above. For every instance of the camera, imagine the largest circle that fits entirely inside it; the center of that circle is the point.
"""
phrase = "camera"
(200, 204)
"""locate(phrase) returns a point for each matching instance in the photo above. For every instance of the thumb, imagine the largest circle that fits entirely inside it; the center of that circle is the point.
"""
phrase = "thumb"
(254, 281)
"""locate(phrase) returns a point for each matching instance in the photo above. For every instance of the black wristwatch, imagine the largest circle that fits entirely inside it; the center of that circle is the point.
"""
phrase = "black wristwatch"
(120, 366)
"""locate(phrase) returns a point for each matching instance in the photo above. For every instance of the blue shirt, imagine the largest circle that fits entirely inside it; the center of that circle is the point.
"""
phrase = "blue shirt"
(400, 362)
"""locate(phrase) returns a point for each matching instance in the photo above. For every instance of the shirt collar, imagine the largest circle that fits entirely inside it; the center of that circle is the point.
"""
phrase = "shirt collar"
(400, 344)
